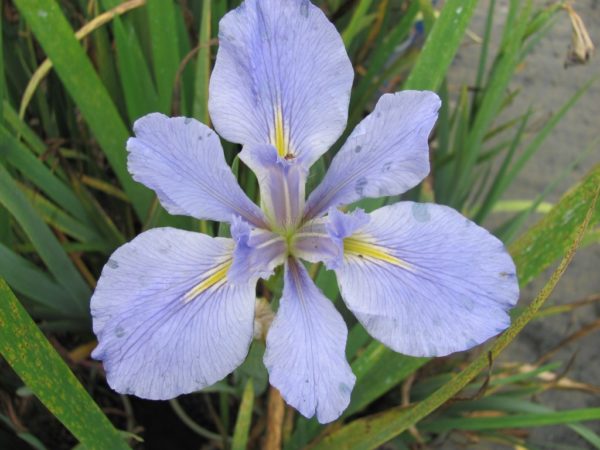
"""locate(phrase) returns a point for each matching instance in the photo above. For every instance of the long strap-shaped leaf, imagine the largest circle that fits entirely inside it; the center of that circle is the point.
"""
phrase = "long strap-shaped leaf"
(46, 245)
(76, 72)
(32, 357)
(244, 419)
(441, 45)
(370, 432)
(550, 237)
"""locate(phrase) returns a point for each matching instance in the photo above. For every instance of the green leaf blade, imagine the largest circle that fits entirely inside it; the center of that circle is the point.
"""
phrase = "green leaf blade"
(441, 45)
(76, 72)
(32, 357)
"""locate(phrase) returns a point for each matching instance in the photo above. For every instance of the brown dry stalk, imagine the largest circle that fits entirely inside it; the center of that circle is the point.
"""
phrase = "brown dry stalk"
(275, 414)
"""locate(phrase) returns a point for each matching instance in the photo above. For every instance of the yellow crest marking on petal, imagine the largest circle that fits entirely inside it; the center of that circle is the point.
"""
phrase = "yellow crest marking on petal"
(279, 136)
(363, 249)
(215, 276)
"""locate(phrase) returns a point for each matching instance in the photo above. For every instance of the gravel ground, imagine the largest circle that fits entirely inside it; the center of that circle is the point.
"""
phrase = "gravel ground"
(546, 85)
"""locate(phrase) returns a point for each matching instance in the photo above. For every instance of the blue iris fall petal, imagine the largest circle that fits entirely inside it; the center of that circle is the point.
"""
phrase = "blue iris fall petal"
(174, 310)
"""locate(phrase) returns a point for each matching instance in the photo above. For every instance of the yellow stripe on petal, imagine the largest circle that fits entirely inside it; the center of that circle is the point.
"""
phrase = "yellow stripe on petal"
(363, 249)
(279, 137)
(216, 276)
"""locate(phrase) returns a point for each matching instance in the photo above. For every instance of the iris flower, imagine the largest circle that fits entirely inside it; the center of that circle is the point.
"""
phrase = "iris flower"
(174, 310)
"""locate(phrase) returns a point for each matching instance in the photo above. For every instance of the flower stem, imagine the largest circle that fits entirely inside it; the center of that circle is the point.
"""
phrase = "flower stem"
(275, 413)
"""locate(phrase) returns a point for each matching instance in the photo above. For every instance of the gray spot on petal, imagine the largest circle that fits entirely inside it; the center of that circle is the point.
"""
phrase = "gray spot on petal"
(387, 166)
(119, 332)
(420, 212)
(187, 120)
(359, 187)
(112, 264)
(357, 149)
(165, 248)
(304, 9)
(344, 388)
(469, 304)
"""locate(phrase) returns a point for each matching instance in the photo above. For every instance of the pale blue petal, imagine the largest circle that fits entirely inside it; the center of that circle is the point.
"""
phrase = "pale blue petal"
(305, 353)
(322, 239)
(452, 290)
(257, 253)
(313, 243)
(156, 338)
(182, 160)
(340, 225)
(282, 183)
(386, 154)
(280, 63)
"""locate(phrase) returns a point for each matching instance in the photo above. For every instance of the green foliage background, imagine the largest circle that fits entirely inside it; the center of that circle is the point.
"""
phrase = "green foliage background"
(67, 201)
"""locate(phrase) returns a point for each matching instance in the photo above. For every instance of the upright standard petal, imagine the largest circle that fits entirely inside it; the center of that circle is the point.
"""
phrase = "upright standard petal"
(386, 154)
(282, 183)
(305, 353)
(182, 160)
(426, 281)
(167, 321)
(282, 76)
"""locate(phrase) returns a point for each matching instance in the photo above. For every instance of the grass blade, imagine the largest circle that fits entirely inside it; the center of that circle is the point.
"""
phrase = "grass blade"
(377, 63)
(76, 72)
(57, 218)
(508, 230)
(485, 45)
(42, 177)
(388, 371)
(45, 242)
(88, 28)
(2, 77)
(44, 372)
(13, 123)
(138, 87)
(532, 252)
(441, 45)
(493, 96)
(499, 183)
(244, 419)
(30, 281)
(200, 105)
(514, 420)
(165, 48)
(508, 403)
(359, 20)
